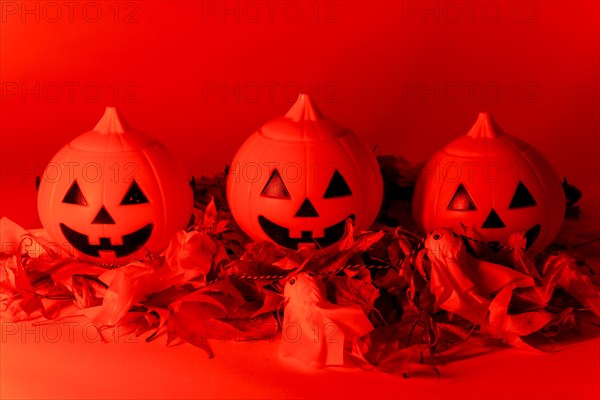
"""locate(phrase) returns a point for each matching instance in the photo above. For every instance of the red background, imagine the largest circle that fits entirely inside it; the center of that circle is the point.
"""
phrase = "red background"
(407, 76)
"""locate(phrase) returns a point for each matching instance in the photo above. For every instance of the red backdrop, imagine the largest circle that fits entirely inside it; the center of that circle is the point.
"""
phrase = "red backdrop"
(201, 76)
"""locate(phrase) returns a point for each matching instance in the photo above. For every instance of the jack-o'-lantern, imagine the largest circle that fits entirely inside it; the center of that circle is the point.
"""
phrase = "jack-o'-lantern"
(300, 177)
(488, 185)
(112, 193)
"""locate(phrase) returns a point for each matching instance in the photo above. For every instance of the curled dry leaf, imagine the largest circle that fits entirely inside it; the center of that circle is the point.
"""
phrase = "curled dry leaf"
(345, 291)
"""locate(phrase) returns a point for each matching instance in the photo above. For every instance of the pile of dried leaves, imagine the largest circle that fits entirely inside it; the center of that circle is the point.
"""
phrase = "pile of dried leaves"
(392, 299)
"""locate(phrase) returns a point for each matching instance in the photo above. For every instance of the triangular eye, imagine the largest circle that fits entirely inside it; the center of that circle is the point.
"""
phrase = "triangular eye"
(461, 201)
(275, 188)
(522, 198)
(74, 195)
(337, 187)
(134, 195)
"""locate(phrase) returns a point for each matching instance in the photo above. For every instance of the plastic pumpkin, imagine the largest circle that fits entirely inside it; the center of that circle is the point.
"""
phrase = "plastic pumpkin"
(112, 193)
(488, 185)
(300, 177)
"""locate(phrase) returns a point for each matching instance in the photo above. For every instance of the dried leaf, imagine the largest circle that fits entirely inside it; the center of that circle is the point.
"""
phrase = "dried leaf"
(575, 280)
(88, 291)
(190, 254)
(511, 328)
(519, 256)
(386, 349)
(346, 291)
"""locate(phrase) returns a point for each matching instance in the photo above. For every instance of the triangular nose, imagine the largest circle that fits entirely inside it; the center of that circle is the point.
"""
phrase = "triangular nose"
(103, 217)
(307, 209)
(493, 221)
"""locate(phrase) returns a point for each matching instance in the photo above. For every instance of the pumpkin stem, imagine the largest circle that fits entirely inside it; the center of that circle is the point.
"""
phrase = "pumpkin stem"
(304, 110)
(485, 127)
(110, 122)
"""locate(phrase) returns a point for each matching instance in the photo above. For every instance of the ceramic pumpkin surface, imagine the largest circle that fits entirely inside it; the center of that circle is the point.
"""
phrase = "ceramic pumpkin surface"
(112, 193)
(488, 185)
(300, 177)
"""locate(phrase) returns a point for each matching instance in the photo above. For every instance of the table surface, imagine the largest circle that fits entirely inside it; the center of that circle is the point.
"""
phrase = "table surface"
(66, 360)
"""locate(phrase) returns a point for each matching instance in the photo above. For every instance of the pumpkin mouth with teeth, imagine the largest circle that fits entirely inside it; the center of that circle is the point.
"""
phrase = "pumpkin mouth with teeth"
(131, 241)
(532, 234)
(281, 235)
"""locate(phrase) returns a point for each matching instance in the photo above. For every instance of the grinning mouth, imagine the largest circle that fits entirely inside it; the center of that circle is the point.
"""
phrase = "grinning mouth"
(281, 235)
(530, 237)
(532, 234)
(131, 242)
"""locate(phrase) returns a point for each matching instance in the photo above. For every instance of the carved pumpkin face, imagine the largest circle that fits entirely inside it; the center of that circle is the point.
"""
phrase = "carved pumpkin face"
(300, 177)
(490, 184)
(111, 193)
